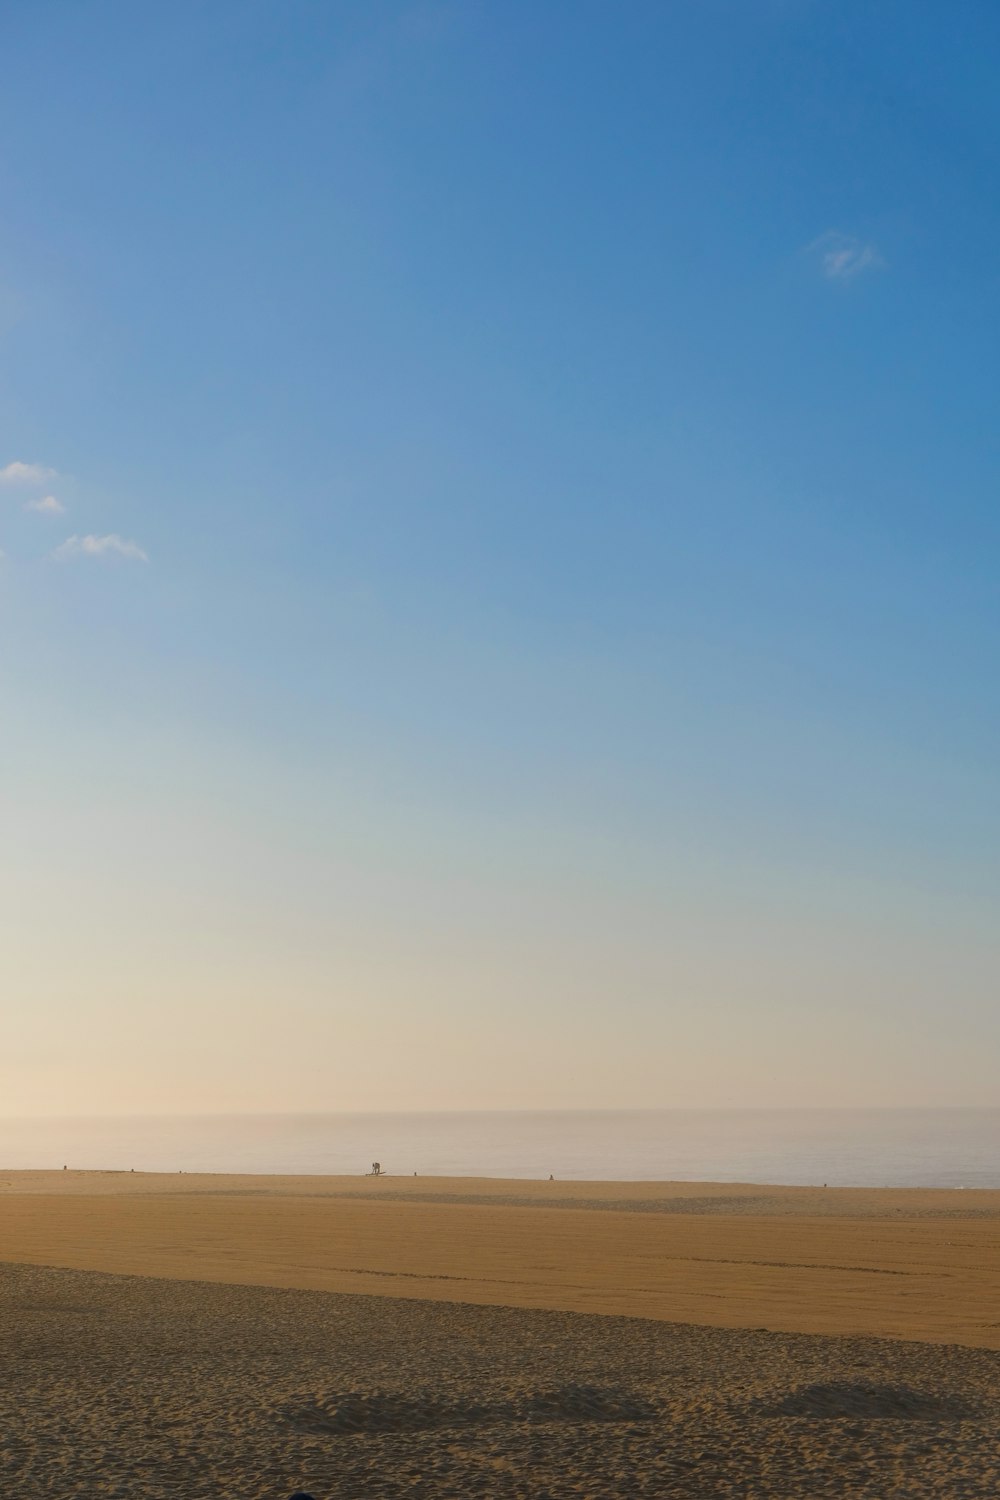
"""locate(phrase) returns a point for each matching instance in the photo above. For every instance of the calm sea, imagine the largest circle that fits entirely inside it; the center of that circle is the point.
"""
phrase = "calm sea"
(878, 1148)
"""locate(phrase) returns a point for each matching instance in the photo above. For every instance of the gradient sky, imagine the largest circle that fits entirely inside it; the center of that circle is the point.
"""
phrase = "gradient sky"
(499, 506)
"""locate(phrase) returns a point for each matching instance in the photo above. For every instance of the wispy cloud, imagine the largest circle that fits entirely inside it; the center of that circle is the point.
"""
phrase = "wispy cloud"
(46, 505)
(844, 256)
(19, 473)
(111, 545)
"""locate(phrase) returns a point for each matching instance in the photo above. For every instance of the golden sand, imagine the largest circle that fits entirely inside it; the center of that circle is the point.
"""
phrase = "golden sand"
(223, 1358)
(902, 1264)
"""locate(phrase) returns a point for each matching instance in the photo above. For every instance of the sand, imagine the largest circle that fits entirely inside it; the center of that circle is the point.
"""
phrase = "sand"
(204, 1336)
(921, 1265)
(145, 1388)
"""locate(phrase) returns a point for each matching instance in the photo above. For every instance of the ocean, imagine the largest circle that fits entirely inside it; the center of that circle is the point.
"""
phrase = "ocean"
(871, 1148)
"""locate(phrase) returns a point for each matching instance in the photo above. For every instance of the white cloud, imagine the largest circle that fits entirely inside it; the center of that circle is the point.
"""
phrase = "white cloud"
(18, 473)
(48, 505)
(101, 546)
(843, 256)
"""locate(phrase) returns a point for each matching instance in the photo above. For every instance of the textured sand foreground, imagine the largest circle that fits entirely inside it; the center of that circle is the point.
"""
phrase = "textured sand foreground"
(913, 1265)
(142, 1388)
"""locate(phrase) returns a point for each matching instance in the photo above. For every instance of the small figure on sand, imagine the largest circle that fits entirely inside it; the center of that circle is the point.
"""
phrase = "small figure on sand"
(376, 1170)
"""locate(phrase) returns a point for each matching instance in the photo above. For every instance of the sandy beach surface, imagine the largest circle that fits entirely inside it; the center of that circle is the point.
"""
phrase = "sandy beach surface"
(904, 1264)
(205, 1336)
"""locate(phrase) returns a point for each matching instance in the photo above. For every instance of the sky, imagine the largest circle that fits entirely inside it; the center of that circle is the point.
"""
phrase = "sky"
(500, 545)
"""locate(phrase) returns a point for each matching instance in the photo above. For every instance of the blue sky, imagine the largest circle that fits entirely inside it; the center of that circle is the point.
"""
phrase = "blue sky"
(499, 579)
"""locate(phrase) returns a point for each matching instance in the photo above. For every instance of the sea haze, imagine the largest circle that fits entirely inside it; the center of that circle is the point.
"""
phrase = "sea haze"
(875, 1148)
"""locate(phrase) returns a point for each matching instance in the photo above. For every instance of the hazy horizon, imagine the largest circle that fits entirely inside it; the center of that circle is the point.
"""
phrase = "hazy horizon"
(498, 554)
(937, 1148)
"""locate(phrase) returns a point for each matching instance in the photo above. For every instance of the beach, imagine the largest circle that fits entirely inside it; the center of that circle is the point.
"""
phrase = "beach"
(898, 1263)
(201, 1336)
